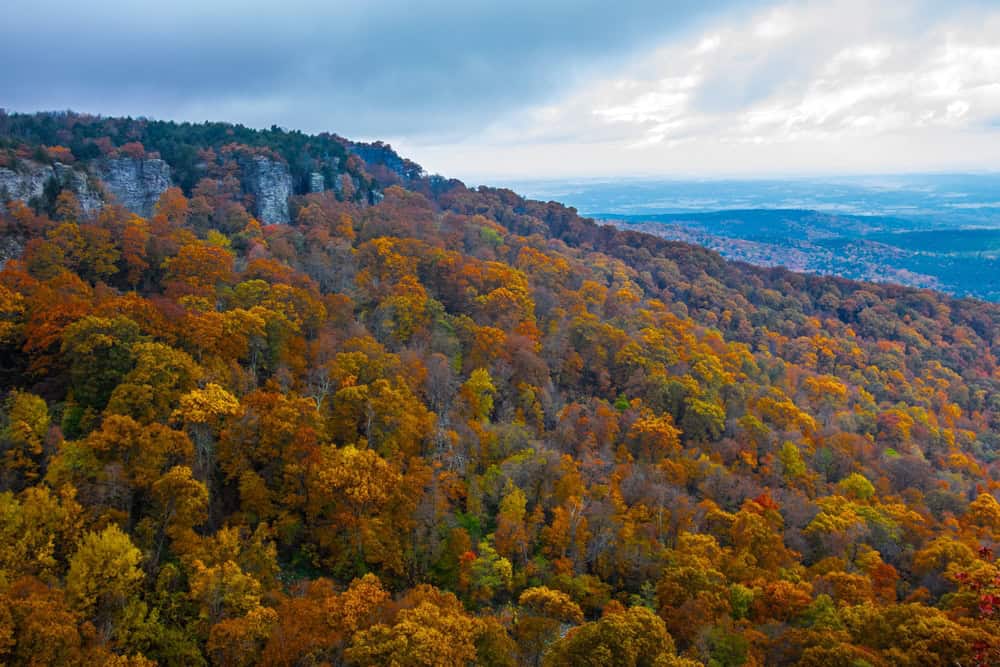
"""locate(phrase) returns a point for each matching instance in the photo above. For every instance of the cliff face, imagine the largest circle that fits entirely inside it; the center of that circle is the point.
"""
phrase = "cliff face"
(24, 185)
(270, 183)
(271, 165)
(30, 180)
(88, 191)
(379, 153)
(136, 183)
(10, 248)
(316, 182)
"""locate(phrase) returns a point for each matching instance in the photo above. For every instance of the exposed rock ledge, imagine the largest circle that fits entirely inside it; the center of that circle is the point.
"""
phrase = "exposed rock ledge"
(30, 181)
(270, 183)
(136, 183)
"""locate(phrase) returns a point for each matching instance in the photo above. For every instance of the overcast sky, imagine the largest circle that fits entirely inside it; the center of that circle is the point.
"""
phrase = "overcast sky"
(530, 88)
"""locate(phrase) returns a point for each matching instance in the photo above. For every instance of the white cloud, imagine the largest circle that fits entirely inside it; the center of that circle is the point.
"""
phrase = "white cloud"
(815, 87)
(708, 44)
(775, 25)
(868, 56)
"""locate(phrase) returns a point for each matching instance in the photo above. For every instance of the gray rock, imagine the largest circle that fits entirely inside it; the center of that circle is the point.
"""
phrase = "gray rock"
(383, 154)
(270, 182)
(136, 183)
(79, 183)
(316, 182)
(25, 183)
(10, 248)
(29, 182)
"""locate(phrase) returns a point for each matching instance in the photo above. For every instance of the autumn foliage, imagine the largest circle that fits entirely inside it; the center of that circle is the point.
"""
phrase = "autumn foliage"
(459, 427)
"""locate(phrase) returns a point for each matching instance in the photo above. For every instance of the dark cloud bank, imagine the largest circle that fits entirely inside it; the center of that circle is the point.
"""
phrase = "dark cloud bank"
(359, 68)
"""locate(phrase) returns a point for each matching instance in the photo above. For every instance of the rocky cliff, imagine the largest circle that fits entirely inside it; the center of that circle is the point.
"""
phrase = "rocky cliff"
(135, 183)
(270, 182)
(31, 178)
(87, 189)
(271, 165)
(24, 184)
(379, 153)
(316, 182)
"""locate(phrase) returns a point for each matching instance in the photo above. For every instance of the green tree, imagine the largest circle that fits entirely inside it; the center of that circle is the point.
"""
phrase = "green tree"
(98, 351)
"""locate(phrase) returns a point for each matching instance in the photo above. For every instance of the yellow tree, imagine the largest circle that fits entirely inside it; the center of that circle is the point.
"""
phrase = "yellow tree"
(633, 638)
(984, 514)
(652, 438)
(543, 614)
(180, 503)
(435, 632)
(511, 536)
(385, 413)
(116, 465)
(693, 591)
(103, 576)
(25, 421)
(160, 376)
(223, 591)
(11, 315)
(354, 486)
(37, 531)
(202, 412)
(477, 395)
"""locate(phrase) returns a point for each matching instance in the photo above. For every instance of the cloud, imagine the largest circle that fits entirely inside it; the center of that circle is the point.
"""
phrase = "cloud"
(562, 87)
(361, 68)
(817, 87)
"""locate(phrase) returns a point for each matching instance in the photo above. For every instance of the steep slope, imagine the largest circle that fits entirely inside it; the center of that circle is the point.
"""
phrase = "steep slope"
(442, 425)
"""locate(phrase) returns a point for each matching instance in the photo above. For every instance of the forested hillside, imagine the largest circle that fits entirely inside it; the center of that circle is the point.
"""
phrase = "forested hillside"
(459, 427)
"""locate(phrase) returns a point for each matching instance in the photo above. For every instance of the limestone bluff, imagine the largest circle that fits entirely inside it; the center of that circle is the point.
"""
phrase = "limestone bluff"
(131, 162)
(137, 183)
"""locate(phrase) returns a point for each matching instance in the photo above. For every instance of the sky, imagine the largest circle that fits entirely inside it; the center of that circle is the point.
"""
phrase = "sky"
(524, 89)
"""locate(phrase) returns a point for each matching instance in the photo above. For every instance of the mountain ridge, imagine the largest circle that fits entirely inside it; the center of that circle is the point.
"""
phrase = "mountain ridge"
(428, 424)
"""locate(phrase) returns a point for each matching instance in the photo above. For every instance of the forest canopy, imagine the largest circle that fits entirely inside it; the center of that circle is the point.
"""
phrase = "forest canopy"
(460, 427)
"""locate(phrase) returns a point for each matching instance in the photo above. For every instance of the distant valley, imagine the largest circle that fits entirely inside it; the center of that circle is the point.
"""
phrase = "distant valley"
(962, 262)
(938, 232)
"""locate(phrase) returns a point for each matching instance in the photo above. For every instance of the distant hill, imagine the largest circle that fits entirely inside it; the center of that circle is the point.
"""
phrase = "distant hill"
(912, 252)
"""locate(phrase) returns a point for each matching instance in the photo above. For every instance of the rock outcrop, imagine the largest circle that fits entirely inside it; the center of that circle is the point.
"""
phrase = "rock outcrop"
(270, 182)
(24, 184)
(88, 192)
(379, 153)
(29, 181)
(11, 247)
(136, 183)
(316, 182)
